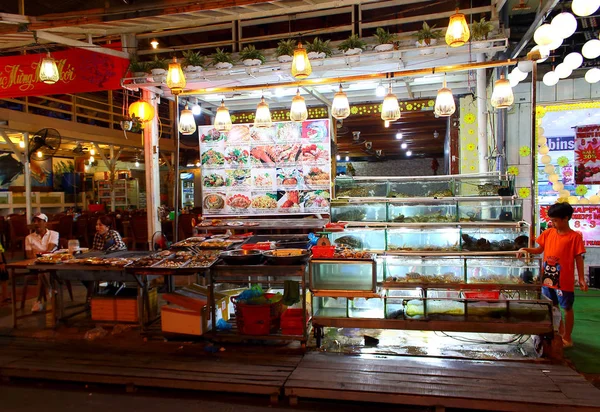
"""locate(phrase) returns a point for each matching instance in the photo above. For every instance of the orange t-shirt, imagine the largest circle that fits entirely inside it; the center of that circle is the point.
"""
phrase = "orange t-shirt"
(558, 268)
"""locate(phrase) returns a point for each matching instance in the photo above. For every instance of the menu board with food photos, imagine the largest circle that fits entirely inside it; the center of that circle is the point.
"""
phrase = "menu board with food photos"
(285, 168)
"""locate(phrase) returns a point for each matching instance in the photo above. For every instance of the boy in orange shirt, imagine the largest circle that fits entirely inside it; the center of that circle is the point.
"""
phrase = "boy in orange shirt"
(563, 250)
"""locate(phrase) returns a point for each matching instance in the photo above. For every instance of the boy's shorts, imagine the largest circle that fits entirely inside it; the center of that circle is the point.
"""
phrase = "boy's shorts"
(559, 297)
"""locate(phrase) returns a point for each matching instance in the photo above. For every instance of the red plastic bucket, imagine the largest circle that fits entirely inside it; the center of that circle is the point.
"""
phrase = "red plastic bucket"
(257, 319)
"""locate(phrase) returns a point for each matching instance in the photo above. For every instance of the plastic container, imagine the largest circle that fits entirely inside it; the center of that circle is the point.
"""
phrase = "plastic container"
(291, 322)
(258, 319)
(478, 294)
(323, 251)
(257, 246)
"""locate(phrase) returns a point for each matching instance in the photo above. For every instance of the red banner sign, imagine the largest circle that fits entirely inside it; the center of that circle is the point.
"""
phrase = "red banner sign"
(80, 71)
(586, 220)
(587, 154)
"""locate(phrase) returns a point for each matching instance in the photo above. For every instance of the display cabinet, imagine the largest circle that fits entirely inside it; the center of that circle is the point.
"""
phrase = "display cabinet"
(424, 211)
(352, 187)
(423, 239)
(494, 209)
(410, 189)
(502, 271)
(343, 275)
(494, 239)
(422, 270)
(360, 239)
(357, 212)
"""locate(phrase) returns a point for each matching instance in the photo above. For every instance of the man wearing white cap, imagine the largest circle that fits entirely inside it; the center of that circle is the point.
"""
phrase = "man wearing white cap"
(39, 242)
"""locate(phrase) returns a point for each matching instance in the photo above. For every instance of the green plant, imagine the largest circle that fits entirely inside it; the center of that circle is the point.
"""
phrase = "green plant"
(427, 33)
(352, 42)
(481, 29)
(221, 56)
(285, 48)
(159, 63)
(384, 37)
(192, 58)
(136, 66)
(319, 46)
(250, 52)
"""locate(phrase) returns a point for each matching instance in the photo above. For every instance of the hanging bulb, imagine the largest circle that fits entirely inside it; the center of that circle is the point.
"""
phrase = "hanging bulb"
(444, 102)
(592, 75)
(408, 153)
(338, 158)
(380, 91)
(22, 144)
(298, 111)
(340, 108)
(154, 43)
(563, 71)
(142, 110)
(347, 158)
(196, 109)
(502, 96)
(301, 67)
(92, 159)
(458, 32)
(175, 77)
(573, 60)
(187, 122)
(222, 118)
(39, 154)
(390, 109)
(564, 24)
(543, 35)
(48, 70)
(585, 8)
(92, 151)
(403, 146)
(386, 123)
(137, 163)
(398, 136)
(263, 114)
(550, 79)
(591, 49)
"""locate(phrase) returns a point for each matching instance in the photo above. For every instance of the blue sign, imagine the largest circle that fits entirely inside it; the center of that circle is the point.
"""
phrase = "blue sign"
(556, 144)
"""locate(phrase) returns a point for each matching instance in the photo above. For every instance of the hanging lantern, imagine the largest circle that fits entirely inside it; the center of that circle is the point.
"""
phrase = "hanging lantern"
(564, 24)
(175, 77)
(444, 102)
(142, 110)
(340, 108)
(592, 75)
(458, 32)
(543, 51)
(563, 71)
(585, 8)
(298, 112)
(591, 49)
(543, 35)
(574, 60)
(550, 79)
(390, 109)
(502, 96)
(301, 67)
(187, 122)
(263, 114)
(222, 118)
(48, 70)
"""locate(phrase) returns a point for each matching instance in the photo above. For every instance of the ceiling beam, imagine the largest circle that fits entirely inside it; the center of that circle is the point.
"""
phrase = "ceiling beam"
(80, 44)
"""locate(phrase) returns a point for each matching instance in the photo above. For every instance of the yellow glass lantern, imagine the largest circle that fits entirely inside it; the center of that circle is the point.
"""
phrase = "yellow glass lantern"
(222, 118)
(175, 77)
(390, 109)
(142, 110)
(502, 96)
(298, 111)
(301, 67)
(48, 70)
(263, 114)
(458, 32)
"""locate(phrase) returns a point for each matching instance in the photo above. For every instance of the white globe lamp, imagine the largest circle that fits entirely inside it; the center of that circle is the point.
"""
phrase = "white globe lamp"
(564, 24)
(573, 60)
(550, 79)
(591, 49)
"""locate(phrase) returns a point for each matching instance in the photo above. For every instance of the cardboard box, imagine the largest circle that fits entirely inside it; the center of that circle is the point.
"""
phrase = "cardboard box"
(123, 307)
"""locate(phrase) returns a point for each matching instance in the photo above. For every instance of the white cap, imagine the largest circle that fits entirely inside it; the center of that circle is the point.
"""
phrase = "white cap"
(41, 216)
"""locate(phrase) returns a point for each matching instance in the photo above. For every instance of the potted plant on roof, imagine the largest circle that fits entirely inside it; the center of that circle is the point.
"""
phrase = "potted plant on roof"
(480, 30)
(318, 50)
(285, 50)
(139, 69)
(352, 47)
(427, 36)
(159, 68)
(385, 42)
(251, 57)
(193, 62)
(221, 59)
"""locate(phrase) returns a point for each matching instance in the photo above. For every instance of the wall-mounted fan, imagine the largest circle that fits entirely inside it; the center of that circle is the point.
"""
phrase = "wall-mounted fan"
(44, 144)
(80, 150)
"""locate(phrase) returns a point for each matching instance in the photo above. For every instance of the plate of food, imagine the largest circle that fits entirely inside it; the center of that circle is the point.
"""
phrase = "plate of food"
(238, 177)
(289, 153)
(314, 153)
(317, 199)
(317, 176)
(264, 201)
(212, 136)
(289, 177)
(215, 179)
(235, 223)
(263, 155)
(290, 200)
(239, 134)
(262, 135)
(214, 201)
(263, 178)
(237, 156)
(289, 132)
(212, 157)
(239, 201)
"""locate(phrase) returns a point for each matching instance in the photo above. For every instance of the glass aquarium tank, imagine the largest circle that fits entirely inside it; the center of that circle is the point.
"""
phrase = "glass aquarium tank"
(404, 270)
(423, 239)
(502, 271)
(492, 185)
(498, 210)
(348, 187)
(499, 239)
(330, 307)
(360, 239)
(366, 308)
(432, 188)
(423, 212)
(343, 275)
(358, 212)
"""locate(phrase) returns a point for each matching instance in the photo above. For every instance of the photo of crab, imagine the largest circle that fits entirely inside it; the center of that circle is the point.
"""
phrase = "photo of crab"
(213, 179)
(239, 201)
(262, 135)
(239, 134)
(315, 153)
(315, 176)
(316, 131)
(263, 155)
(212, 157)
(288, 153)
(263, 178)
(289, 178)
(289, 202)
(237, 156)
(288, 132)
(238, 177)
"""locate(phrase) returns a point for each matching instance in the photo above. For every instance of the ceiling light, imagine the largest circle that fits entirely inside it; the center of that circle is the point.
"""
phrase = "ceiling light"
(338, 158)
(142, 110)
(340, 108)
(591, 49)
(198, 164)
(403, 145)
(584, 8)
(458, 32)
(262, 118)
(399, 136)
(444, 102)
(196, 109)
(154, 43)
(573, 60)
(544, 53)
(222, 118)
(564, 24)
(513, 80)
(175, 77)
(592, 75)
(502, 95)
(380, 91)
(563, 71)
(525, 66)
(347, 158)
(386, 124)
(543, 35)
(137, 163)
(390, 109)
(91, 159)
(298, 111)
(557, 41)
(40, 154)
(48, 72)
(280, 92)
(408, 153)
(187, 122)
(550, 79)
(301, 67)
(22, 144)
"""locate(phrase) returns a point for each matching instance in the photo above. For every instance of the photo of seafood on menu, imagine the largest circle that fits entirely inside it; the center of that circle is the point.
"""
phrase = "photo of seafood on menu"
(256, 171)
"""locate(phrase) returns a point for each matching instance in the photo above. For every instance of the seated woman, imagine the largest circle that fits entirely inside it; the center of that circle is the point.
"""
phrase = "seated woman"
(106, 238)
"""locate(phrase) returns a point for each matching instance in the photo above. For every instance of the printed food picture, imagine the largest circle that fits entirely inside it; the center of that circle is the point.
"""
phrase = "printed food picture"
(238, 134)
(289, 200)
(316, 199)
(263, 155)
(265, 201)
(314, 153)
(238, 201)
(214, 201)
(212, 157)
(238, 177)
(213, 179)
(317, 176)
(289, 132)
(237, 156)
(288, 153)
(315, 131)
(264, 135)
(211, 136)
(263, 178)
(289, 177)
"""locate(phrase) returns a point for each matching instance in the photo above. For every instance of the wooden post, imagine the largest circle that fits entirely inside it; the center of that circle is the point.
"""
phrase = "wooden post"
(150, 136)
(27, 177)
(112, 169)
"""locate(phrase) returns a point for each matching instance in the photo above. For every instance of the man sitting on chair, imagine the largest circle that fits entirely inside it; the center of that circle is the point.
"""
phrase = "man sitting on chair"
(37, 243)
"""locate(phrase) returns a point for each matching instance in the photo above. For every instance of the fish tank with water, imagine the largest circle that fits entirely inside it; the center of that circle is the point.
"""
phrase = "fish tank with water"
(492, 210)
(349, 187)
(358, 212)
(403, 270)
(439, 211)
(423, 239)
(503, 271)
(422, 188)
(498, 239)
(359, 238)
(372, 308)
(328, 307)
(344, 274)
(477, 185)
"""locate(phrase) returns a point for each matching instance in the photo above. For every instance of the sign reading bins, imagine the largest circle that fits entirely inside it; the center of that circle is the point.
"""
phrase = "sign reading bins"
(80, 71)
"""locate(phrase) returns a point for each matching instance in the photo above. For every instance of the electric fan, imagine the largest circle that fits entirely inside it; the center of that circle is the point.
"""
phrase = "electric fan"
(44, 144)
